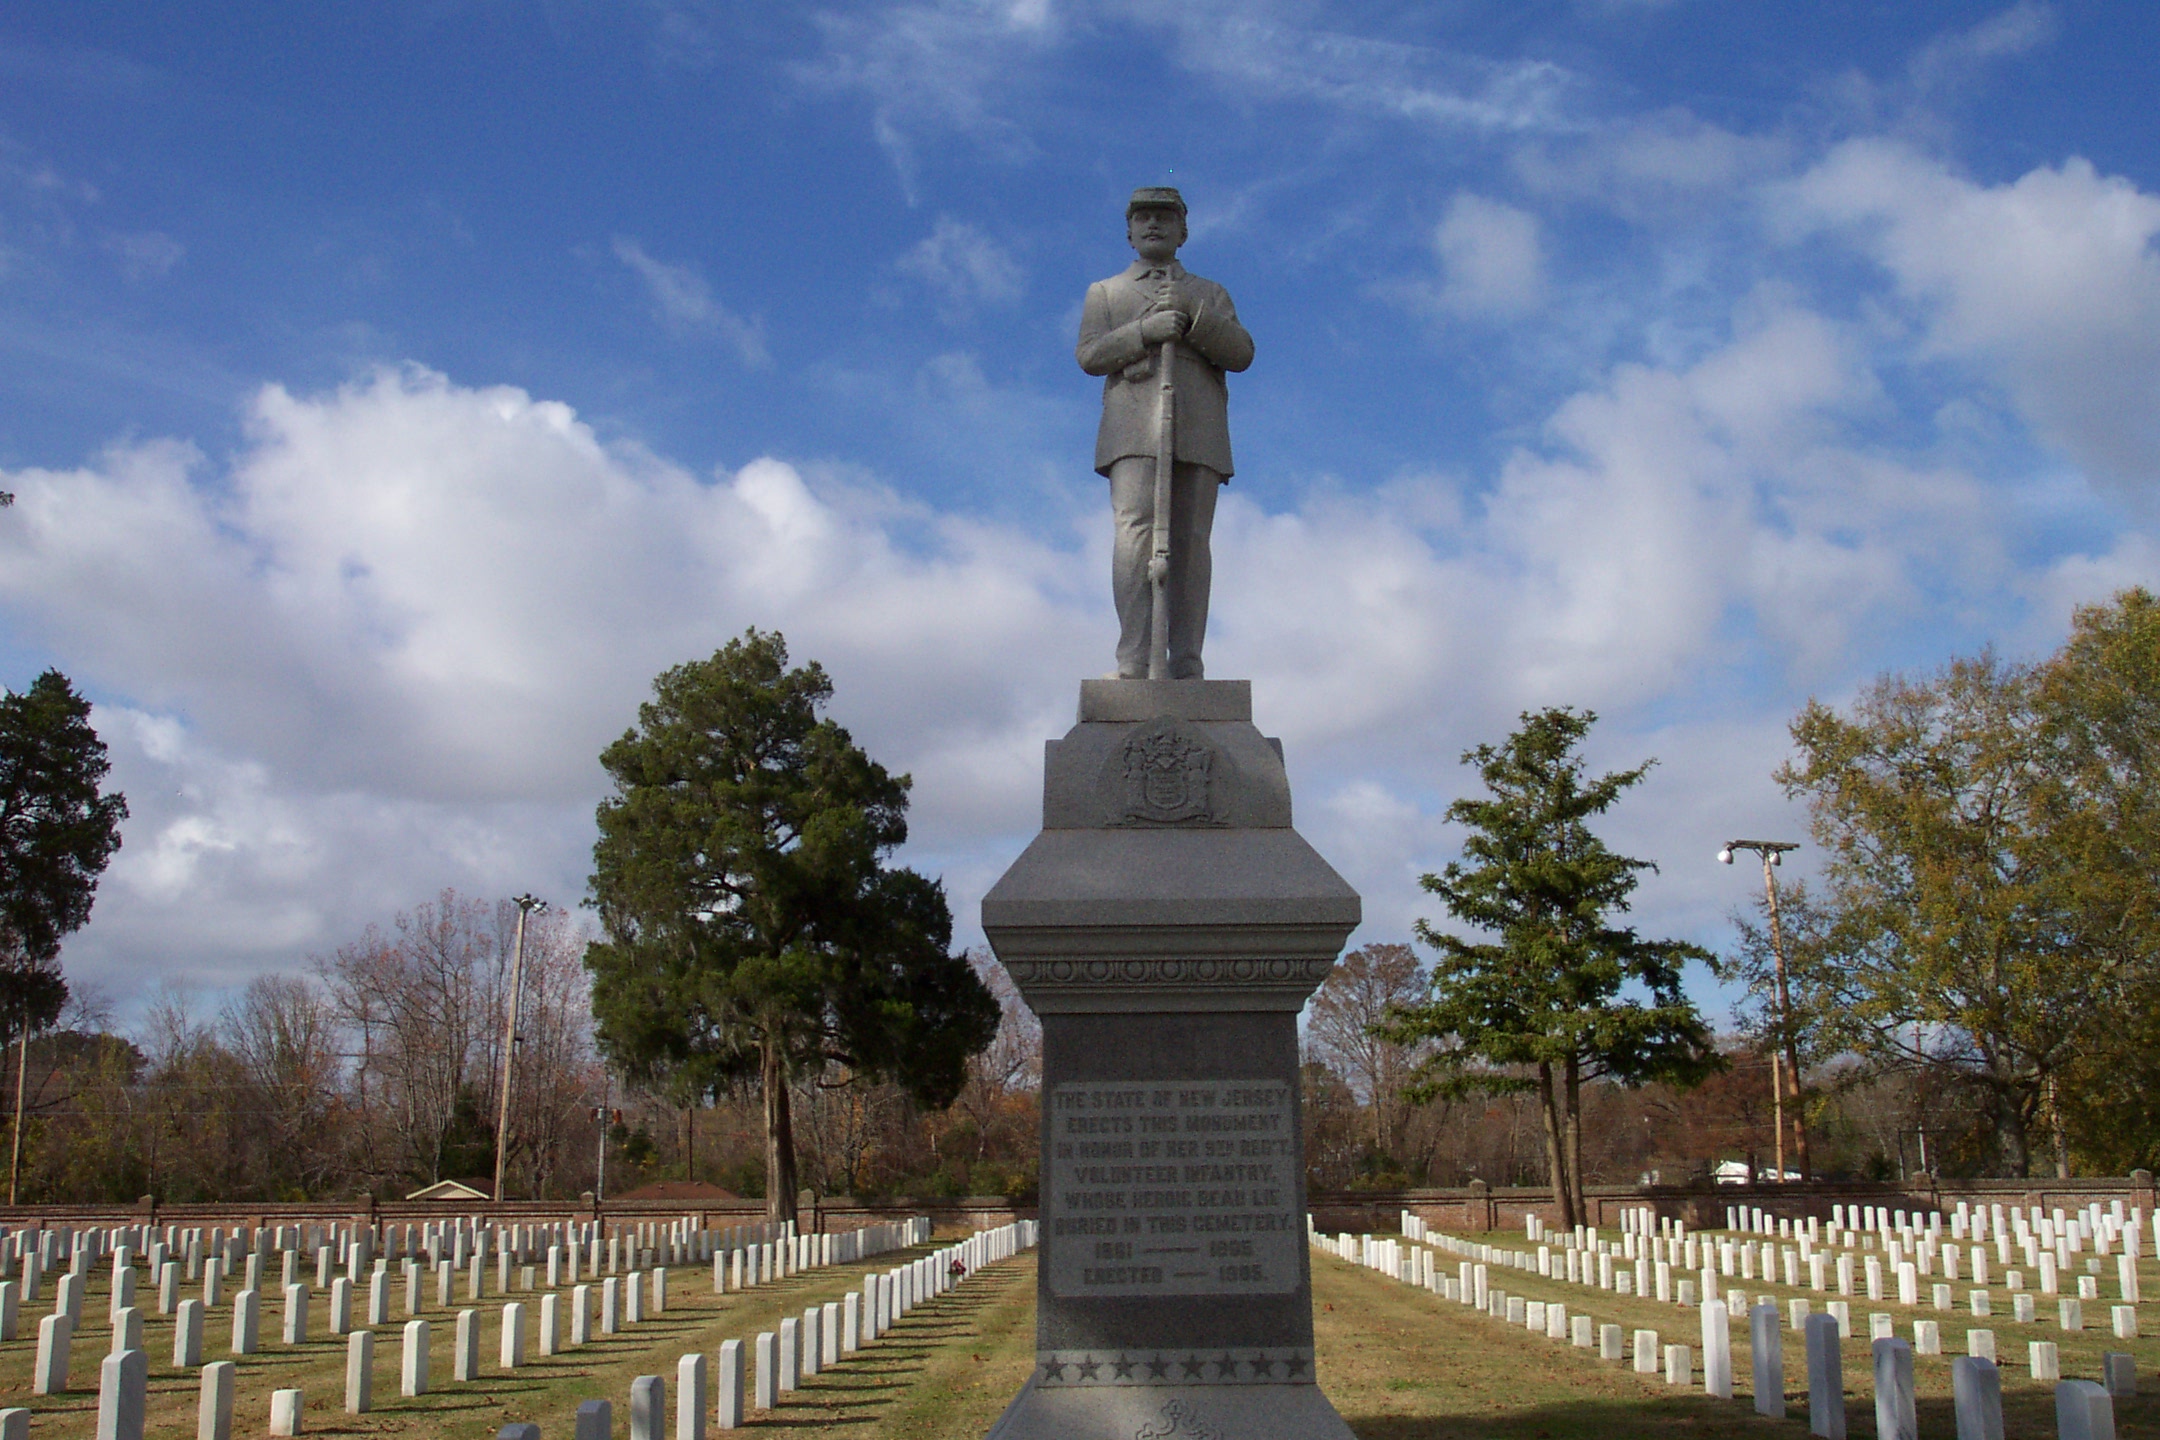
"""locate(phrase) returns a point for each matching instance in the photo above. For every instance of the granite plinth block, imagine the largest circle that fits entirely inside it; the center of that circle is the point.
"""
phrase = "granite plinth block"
(1167, 925)
(1171, 1412)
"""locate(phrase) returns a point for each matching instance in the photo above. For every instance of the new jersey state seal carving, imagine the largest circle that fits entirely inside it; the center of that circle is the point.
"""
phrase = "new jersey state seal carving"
(1170, 776)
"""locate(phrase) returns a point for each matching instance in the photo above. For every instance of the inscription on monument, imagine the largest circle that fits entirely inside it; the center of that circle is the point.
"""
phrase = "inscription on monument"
(1172, 1188)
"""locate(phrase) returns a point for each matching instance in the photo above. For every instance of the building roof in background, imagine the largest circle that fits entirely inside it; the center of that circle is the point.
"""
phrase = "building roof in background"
(453, 1190)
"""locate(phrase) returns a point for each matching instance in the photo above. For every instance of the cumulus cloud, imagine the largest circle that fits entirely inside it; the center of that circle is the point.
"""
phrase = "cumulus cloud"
(380, 652)
(377, 650)
(1490, 258)
(684, 302)
(2048, 284)
(963, 267)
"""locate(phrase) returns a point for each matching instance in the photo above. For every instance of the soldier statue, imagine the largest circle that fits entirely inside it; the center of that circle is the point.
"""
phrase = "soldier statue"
(1162, 434)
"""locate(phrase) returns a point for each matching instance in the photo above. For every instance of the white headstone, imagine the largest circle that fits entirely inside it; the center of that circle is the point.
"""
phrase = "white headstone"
(413, 1363)
(359, 1372)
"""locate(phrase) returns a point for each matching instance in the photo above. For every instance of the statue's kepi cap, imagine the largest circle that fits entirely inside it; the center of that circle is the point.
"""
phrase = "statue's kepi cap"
(1155, 197)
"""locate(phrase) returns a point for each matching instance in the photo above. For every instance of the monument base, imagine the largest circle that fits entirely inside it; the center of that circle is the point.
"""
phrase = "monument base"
(1154, 1411)
(1166, 926)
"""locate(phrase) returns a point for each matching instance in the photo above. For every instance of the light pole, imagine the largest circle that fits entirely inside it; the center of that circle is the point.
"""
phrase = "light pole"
(1771, 851)
(526, 905)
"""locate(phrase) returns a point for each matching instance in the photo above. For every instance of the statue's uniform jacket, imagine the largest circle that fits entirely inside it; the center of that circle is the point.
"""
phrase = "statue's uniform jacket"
(1110, 346)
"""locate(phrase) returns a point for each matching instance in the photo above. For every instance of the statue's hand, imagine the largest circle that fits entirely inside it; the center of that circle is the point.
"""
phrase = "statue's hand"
(1164, 325)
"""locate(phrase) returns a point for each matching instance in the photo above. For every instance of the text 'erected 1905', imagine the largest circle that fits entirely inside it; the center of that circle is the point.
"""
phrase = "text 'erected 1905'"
(1172, 1188)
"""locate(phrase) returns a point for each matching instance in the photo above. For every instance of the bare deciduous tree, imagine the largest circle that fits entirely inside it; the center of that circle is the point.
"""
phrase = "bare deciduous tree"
(1339, 1031)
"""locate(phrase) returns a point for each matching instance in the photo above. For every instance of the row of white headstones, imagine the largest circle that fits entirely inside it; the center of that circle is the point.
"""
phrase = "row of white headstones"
(622, 1300)
(1652, 1255)
(28, 1254)
(1913, 1247)
(2081, 1405)
(364, 1253)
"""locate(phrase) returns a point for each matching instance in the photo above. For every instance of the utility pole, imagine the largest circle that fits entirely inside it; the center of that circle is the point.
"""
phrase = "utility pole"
(526, 905)
(1788, 1049)
(22, 1084)
(603, 1116)
(1919, 1051)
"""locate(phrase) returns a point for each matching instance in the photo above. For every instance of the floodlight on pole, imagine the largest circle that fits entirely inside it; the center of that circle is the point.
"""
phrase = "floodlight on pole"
(526, 904)
(1772, 853)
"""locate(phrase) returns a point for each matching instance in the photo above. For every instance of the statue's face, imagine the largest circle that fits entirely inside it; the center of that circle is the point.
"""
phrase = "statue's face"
(1155, 231)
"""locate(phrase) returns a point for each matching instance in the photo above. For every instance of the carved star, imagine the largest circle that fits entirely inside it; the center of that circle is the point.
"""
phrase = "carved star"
(1053, 1371)
(1263, 1369)
(1158, 1368)
(1226, 1367)
(1195, 1368)
(1089, 1369)
(1293, 1367)
(1122, 1367)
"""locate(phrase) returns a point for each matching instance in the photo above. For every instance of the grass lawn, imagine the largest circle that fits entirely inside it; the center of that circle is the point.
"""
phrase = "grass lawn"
(929, 1375)
(1507, 1382)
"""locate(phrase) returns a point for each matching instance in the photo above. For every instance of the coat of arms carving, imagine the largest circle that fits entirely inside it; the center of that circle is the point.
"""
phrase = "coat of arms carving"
(1170, 776)
(1180, 1421)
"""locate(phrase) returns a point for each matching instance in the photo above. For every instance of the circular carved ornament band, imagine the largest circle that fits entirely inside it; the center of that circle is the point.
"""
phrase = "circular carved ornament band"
(1276, 971)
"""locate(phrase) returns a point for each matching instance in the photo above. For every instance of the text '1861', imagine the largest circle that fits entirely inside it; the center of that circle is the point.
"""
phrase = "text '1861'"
(1172, 1188)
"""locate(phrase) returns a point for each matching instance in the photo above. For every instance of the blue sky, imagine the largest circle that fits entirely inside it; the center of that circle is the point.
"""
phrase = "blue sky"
(391, 390)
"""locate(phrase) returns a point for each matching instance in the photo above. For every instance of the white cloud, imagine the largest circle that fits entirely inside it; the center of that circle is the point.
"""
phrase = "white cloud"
(683, 301)
(1957, 57)
(936, 69)
(378, 651)
(1490, 258)
(971, 68)
(2049, 285)
(1648, 168)
(145, 255)
(1265, 51)
(963, 267)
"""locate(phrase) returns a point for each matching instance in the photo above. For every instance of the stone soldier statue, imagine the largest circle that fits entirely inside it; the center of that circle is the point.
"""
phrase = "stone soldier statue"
(1122, 327)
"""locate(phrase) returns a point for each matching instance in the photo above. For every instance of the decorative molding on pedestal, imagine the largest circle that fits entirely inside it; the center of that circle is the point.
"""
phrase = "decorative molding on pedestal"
(1306, 971)
(1067, 1369)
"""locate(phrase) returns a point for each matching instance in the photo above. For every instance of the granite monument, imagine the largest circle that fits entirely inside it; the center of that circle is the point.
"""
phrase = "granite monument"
(1167, 926)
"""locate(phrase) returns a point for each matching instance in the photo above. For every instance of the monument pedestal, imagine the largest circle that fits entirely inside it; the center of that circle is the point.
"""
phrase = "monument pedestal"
(1167, 926)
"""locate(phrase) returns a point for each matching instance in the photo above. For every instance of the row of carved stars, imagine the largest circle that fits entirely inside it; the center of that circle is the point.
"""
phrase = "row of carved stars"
(1125, 1367)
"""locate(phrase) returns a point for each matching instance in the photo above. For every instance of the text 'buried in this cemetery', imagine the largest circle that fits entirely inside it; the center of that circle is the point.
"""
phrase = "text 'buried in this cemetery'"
(1172, 1188)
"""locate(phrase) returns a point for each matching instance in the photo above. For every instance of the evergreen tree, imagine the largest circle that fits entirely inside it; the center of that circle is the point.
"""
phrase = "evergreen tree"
(1542, 1005)
(751, 928)
(57, 834)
